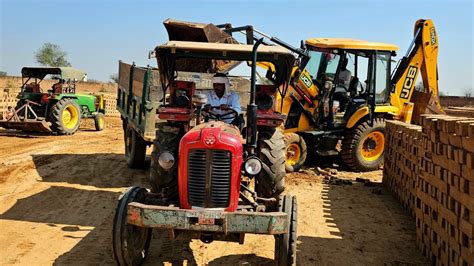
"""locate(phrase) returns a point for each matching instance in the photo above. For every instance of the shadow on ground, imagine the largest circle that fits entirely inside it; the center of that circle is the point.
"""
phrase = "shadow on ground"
(366, 227)
(103, 170)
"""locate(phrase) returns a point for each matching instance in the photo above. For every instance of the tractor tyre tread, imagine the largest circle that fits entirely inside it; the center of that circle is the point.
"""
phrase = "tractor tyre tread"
(271, 151)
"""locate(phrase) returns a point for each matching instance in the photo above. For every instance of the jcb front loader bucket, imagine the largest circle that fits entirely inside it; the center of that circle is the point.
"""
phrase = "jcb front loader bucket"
(200, 32)
(29, 126)
(196, 32)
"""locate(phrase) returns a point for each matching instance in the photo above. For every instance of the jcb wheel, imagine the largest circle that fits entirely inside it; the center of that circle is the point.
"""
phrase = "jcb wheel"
(363, 146)
(285, 244)
(130, 242)
(99, 121)
(271, 150)
(65, 117)
(295, 152)
(165, 181)
(135, 148)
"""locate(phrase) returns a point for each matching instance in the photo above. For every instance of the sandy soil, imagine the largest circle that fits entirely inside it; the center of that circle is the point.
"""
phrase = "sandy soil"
(58, 195)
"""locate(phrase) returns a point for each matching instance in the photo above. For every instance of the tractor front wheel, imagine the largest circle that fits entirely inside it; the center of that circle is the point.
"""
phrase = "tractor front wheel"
(270, 183)
(363, 146)
(65, 117)
(99, 121)
(295, 152)
(130, 242)
(285, 244)
(135, 148)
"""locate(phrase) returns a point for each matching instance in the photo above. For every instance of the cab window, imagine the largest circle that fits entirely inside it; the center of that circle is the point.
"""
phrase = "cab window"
(382, 72)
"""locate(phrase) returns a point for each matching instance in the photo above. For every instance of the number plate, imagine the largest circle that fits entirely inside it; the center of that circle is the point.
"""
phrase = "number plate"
(204, 220)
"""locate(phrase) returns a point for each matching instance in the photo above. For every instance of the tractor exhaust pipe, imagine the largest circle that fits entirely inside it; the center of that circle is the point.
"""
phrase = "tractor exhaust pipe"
(252, 107)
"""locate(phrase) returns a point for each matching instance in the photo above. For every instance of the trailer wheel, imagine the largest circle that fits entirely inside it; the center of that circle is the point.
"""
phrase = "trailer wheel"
(285, 244)
(65, 117)
(130, 242)
(363, 146)
(165, 181)
(296, 152)
(271, 150)
(99, 121)
(135, 148)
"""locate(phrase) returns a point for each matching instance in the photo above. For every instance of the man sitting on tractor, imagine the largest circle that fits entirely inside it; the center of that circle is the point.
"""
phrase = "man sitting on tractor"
(223, 97)
(57, 87)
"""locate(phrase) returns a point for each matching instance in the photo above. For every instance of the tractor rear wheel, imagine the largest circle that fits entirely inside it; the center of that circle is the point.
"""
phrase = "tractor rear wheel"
(295, 152)
(99, 121)
(65, 117)
(270, 183)
(363, 146)
(130, 242)
(135, 148)
(285, 244)
(165, 181)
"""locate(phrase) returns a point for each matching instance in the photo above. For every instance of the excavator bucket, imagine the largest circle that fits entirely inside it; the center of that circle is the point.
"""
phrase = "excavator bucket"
(200, 32)
(28, 125)
(425, 103)
(196, 32)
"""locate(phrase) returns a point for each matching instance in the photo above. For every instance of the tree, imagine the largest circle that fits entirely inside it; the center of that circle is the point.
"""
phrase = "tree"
(3, 74)
(468, 93)
(51, 54)
(114, 78)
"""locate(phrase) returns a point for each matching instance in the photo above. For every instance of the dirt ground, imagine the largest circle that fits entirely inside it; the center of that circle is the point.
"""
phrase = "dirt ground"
(58, 196)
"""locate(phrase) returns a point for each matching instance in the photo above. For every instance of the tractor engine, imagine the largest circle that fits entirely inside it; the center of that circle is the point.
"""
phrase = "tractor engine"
(209, 167)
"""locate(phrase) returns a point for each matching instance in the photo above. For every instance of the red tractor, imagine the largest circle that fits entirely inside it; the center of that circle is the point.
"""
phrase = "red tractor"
(211, 180)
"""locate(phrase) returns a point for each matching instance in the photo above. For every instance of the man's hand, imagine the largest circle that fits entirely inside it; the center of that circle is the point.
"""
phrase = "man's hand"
(224, 107)
(207, 107)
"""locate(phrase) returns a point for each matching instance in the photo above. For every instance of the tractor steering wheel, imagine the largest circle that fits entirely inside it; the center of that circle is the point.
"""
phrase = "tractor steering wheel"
(210, 113)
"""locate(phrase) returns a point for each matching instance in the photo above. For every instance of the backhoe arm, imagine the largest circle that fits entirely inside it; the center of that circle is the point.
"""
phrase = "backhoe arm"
(421, 57)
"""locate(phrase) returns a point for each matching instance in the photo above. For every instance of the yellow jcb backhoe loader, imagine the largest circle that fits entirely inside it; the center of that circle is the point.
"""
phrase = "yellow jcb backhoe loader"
(347, 90)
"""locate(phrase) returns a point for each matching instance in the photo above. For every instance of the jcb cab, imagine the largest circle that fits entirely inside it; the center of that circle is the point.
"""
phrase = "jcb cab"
(211, 180)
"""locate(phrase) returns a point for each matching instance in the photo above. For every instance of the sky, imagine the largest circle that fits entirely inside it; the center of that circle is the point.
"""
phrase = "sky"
(97, 34)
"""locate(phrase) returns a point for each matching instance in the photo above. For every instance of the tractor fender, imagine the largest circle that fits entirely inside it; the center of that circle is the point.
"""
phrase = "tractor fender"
(364, 111)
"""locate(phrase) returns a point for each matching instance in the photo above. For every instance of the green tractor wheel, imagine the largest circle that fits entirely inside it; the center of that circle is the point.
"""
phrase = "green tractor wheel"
(65, 117)
(99, 121)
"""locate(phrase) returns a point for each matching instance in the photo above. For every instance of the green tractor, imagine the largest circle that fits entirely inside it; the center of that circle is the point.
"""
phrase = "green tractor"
(58, 109)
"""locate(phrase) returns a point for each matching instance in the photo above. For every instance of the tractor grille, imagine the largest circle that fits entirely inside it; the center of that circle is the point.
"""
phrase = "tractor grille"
(209, 167)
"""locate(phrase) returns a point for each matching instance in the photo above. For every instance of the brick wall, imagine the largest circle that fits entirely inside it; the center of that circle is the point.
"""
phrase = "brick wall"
(430, 170)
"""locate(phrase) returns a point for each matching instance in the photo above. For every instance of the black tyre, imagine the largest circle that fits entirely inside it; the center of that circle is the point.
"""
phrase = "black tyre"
(271, 150)
(65, 117)
(285, 244)
(99, 121)
(135, 148)
(165, 181)
(130, 242)
(363, 146)
(296, 152)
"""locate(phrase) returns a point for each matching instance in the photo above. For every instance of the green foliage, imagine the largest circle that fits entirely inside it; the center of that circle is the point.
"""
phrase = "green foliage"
(3, 74)
(51, 54)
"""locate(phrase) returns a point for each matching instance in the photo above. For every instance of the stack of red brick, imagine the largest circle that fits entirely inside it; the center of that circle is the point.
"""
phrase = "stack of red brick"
(430, 170)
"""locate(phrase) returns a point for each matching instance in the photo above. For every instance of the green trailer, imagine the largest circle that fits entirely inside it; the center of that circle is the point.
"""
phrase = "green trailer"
(58, 109)
(139, 95)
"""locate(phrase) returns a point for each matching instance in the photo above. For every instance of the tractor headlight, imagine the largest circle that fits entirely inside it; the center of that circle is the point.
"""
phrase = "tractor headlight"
(253, 166)
(166, 160)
